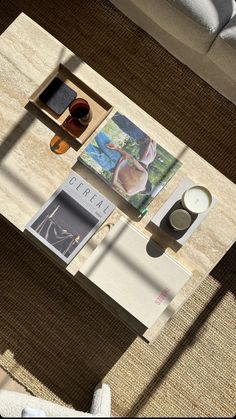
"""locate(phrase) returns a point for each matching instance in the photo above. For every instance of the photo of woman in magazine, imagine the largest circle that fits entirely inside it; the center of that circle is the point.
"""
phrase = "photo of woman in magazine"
(129, 160)
(128, 173)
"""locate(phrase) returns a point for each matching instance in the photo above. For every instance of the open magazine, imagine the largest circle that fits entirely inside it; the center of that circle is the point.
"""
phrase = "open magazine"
(70, 217)
(129, 161)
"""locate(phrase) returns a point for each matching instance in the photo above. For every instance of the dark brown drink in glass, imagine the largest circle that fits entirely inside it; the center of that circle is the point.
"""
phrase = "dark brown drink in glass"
(80, 114)
(74, 124)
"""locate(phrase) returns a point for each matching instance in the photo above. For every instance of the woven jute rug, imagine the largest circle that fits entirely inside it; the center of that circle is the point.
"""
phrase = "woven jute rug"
(54, 338)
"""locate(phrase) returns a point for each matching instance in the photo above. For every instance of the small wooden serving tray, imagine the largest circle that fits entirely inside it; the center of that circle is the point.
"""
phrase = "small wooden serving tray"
(100, 108)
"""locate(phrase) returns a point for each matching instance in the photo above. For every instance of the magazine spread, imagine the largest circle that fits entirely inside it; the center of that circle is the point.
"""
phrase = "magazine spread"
(129, 161)
(70, 217)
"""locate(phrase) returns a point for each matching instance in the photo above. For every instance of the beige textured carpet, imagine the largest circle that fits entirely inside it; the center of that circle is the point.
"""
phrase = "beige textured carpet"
(56, 340)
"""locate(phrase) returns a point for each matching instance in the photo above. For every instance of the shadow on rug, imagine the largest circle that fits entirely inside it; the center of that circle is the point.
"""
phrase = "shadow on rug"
(53, 336)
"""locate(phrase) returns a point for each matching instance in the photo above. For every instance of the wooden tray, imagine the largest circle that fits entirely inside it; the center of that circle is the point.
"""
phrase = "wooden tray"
(100, 108)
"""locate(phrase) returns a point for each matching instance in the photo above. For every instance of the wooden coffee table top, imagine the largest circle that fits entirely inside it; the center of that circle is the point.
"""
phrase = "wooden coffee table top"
(30, 172)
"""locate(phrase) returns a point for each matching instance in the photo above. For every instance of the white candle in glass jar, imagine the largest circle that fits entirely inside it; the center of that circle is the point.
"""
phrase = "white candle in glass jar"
(197, 199)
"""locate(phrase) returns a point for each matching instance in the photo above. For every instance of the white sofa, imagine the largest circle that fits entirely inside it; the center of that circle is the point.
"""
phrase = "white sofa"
(16, 405)
(200, 33)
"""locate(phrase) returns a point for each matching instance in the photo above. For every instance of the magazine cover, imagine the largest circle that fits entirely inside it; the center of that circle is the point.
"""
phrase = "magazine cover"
(129, 161)
(70, 217)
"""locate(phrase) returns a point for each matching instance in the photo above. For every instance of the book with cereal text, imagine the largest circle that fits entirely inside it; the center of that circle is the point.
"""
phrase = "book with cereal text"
(70, 217)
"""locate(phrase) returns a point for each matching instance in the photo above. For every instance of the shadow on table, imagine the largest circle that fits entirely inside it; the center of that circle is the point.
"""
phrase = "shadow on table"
(25, 123)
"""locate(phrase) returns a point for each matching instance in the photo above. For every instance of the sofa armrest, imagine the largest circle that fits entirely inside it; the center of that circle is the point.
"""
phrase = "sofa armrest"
(13, 403)
(101, 404)
(223, 50)
(194, 23)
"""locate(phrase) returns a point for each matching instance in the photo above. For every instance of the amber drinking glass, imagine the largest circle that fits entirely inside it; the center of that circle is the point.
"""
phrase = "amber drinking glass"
(80, 116)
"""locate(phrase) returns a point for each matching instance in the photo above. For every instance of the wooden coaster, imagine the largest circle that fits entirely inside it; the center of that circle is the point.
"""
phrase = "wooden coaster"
(57, 96)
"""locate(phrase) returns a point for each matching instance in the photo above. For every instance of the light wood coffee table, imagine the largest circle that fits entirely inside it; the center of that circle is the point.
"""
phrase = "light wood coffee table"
(30, 172)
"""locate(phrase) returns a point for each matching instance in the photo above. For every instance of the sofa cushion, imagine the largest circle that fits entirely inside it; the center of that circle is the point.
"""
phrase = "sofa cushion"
(195, 23)
(223, 50)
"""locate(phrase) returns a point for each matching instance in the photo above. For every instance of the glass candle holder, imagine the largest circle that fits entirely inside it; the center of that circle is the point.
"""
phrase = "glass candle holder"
(197, 199)
(180, 219)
